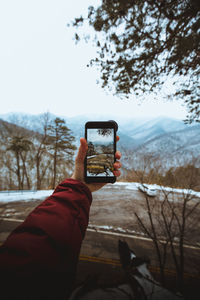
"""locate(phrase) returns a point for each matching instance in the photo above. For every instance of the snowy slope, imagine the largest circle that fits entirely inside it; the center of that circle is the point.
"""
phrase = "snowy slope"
(168, 139)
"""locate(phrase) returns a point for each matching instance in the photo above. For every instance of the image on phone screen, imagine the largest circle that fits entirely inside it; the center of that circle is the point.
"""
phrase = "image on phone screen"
(100, 155)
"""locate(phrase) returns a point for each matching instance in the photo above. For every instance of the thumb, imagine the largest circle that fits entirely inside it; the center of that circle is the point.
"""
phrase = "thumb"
(82, 151)
(79, 162)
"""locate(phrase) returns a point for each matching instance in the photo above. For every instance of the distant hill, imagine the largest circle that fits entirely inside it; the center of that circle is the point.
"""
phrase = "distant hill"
(154, 128)
(7, 128)
(166, 139)
(169, 149)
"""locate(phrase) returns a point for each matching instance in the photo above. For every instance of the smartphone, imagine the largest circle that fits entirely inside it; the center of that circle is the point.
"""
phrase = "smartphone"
(101, 139)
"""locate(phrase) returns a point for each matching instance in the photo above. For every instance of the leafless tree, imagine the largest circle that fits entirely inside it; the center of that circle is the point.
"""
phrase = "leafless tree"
(19, 146)
(42, 158)
(170, 221)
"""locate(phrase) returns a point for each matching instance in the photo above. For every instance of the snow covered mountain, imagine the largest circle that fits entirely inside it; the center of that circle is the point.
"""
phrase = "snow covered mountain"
(169, 139)
(174, 148)
(133, 132)
(153, 128)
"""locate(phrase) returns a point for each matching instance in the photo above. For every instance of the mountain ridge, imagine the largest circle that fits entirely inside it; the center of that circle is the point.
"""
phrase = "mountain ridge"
(161, 136)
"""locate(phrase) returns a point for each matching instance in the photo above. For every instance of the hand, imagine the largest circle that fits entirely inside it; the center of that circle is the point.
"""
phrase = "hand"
(79, 166)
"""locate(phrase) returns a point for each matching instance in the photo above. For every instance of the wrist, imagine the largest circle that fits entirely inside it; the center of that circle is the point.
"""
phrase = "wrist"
(75, 181)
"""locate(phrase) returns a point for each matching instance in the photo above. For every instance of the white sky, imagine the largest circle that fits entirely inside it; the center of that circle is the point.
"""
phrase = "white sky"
(41, 68)
(94, 136)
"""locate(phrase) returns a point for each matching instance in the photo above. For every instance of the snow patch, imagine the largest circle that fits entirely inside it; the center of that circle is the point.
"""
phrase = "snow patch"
(114, 229)
(10, 196)
(135, 185)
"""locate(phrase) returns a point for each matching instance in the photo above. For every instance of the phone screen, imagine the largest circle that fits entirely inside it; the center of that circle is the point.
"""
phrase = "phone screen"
(101, 152)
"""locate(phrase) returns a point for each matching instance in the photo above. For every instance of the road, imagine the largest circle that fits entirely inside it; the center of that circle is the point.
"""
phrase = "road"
(113, 208)
(111, 218)
(102, 246)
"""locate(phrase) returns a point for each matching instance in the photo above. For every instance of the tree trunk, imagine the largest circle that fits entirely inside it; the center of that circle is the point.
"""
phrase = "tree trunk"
(10, 180)
(25, 174)
(38, 171)
(54, 169)
(18, 172)
(27, 178)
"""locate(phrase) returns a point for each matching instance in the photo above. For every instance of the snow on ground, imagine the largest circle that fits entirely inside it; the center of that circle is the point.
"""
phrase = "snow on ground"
(134, 186)
(8, 196)
(169, 189)
(114, 229)
(127, 185)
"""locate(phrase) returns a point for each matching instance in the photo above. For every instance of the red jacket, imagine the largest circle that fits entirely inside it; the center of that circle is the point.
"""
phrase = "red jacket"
(38, 260)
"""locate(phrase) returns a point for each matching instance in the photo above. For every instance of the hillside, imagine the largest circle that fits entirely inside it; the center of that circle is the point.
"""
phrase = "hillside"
(27, 158)
(7, 128)
(174, 148)
(169, 141)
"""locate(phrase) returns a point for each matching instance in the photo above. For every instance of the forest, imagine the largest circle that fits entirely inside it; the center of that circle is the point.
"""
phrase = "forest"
(35, 160)
(40, 159)
(183, 177)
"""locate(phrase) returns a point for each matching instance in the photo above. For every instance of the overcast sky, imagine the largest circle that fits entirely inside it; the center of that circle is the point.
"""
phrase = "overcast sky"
(41, 68)
(94, 136)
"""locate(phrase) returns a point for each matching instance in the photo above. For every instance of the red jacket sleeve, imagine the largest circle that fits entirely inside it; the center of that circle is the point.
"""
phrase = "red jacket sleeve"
(44, 249)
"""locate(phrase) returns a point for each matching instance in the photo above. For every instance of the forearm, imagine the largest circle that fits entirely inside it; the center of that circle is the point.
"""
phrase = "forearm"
(49, 240)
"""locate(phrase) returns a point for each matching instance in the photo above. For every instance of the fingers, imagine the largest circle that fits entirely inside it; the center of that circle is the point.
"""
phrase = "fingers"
(117, 165)
(118, 155)
(117, 173)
